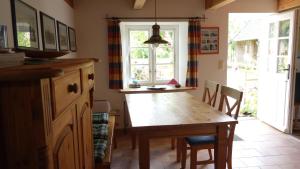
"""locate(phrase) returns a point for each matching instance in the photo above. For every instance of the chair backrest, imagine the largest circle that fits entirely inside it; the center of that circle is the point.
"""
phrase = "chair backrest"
(210, 92)
(236, 95)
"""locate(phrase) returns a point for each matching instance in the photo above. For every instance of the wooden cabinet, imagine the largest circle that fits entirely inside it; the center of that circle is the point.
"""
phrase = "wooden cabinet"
(84, 119)
(45, 115)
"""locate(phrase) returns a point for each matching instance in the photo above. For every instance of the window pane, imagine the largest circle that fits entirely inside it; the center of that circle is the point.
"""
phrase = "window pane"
(164, 72)
(164, 55)
(167, 35)
(140, 72)
(281, 64)
(139, 55)
(284, 28)
(272, 47)
(283, 45)
(137, 38)
(272, 30)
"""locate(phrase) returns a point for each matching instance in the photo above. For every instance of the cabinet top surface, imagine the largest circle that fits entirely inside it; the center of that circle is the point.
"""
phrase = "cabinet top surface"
(33, 70)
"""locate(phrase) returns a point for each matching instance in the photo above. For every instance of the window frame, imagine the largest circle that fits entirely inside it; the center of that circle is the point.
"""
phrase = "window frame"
(152, 58)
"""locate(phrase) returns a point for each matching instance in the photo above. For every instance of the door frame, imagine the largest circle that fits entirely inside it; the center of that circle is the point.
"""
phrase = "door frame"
(293, 71)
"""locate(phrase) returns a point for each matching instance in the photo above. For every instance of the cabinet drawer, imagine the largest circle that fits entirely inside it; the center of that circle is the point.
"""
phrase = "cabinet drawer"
(65, 90)
(88, 76)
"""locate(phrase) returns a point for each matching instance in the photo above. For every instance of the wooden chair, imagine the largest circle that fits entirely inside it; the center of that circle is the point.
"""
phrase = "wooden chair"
(207, 142)
(210, 93)
(209, 96)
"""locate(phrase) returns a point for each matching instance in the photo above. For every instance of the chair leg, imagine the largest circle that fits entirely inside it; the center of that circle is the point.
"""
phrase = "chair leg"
(179, 144)
(115, 142)
(183, 153)
(193, 158)
(210, 154)
(133, 140)
(229, 157)
(173, 143)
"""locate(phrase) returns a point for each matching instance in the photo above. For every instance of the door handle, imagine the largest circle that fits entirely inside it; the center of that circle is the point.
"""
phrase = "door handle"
(288, 71)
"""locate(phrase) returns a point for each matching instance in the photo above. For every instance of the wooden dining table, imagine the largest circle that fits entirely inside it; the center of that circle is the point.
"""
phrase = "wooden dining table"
(156, 115)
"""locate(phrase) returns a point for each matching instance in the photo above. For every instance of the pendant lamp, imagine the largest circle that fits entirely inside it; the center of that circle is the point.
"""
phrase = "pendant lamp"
(155, 39)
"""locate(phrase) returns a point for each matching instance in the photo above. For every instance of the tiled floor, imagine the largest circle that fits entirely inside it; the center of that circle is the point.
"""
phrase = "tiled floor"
(262, 147)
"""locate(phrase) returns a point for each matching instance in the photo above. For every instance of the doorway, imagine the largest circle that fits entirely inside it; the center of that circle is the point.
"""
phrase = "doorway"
(260, 59)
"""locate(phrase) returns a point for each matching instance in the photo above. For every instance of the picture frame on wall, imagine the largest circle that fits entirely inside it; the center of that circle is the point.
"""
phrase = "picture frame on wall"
(209, 40)
(62, 31)
(48, 28)
(25, 25)
(3, 37)
(72, 39)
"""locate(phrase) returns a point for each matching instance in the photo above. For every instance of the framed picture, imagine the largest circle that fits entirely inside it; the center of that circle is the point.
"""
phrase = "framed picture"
(209, 40)
(62, 31)
(72, 39)
(3, 37)
(48, 32)
(25, 25)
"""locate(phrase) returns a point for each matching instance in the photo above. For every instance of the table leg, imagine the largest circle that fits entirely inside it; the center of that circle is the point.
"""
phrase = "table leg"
(125, 116)
(144, 152)
(133, 140)
(221, 147)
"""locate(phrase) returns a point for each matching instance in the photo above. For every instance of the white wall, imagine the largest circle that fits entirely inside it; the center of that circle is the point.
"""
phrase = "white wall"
(57, 9)
(92, 37)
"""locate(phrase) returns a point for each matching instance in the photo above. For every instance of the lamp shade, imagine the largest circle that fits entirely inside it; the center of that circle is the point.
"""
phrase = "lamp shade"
(156, 38)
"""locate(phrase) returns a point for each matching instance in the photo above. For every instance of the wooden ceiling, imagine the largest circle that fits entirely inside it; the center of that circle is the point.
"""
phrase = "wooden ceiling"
(209, 4)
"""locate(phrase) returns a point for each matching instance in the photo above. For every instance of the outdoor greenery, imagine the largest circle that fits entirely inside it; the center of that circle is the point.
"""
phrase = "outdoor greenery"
(241, 74)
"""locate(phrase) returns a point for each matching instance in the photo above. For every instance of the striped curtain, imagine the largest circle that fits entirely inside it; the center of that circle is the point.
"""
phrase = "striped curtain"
(194, 45)
(114, 54)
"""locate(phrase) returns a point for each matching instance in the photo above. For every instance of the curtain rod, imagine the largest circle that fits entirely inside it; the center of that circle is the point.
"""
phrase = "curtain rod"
(152, 18)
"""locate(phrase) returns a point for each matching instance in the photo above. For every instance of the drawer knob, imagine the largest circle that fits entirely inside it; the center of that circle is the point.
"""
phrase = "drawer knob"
(91, 76)
(73, 88)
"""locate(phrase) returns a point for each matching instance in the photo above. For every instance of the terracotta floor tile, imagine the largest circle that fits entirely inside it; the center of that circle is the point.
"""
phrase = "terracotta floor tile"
(252, 161)
(262, 147)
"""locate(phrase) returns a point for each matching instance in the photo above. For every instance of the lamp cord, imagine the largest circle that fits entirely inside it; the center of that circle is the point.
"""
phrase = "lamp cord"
(155, 13)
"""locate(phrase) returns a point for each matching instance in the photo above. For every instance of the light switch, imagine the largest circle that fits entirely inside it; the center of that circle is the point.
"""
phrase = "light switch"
(220, 64)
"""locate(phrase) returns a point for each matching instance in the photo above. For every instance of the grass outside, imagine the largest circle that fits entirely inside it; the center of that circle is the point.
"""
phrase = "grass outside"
(246, 80)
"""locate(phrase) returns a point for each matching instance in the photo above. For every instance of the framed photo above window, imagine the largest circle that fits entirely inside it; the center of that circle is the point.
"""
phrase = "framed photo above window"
(209, 40)
(25, 25)
(62, 31)
(48, 32)
(72, 39)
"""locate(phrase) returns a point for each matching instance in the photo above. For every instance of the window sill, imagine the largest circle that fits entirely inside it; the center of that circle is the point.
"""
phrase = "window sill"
(167, 88)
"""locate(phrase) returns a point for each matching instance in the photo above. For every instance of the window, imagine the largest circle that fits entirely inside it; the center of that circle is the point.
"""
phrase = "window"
(148, 65)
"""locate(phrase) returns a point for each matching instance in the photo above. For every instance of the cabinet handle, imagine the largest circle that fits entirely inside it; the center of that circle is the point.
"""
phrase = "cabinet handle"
(91, 76)
(73, 88)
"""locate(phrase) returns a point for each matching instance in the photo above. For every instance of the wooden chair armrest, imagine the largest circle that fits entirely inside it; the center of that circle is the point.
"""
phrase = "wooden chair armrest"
(114, 113)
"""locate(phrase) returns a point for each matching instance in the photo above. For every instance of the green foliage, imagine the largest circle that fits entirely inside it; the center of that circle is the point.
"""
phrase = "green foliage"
(140, 73)
(250, 103)
(137, 38)
(139, 53)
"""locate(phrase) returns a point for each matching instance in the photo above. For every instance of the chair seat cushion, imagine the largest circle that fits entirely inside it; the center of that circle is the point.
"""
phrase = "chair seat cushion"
(100, 131)
(196, 140)
(99, 149)
(100, 117)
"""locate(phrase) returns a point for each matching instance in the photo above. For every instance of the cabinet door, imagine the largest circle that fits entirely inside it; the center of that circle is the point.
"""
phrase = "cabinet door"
(85, 136)
(65, 152)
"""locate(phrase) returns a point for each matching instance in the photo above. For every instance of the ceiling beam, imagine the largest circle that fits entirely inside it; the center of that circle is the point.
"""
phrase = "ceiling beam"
(288, 4)
(138, 4)
(215, 4)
